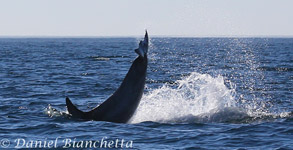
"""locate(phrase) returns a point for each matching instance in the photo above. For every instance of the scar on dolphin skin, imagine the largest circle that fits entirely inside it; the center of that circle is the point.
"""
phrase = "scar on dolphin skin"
(121, 105)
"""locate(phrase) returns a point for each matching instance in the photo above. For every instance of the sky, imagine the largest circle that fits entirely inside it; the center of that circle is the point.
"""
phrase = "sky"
(190, 18)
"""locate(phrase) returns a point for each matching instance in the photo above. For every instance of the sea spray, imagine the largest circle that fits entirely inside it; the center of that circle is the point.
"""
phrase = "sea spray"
(192, 95)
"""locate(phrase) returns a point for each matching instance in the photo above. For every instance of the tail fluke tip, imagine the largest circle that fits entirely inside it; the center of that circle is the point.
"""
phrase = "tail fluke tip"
(143, 46)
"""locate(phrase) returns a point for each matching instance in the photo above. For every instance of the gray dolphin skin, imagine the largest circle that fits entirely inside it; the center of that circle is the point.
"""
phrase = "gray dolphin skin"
(121, 105)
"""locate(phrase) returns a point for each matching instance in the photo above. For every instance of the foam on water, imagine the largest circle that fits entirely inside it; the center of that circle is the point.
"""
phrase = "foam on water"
(199, 98)
(52, 112)
(193, 95)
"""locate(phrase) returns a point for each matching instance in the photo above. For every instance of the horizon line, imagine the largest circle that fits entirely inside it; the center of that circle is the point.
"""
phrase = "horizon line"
(138, 36)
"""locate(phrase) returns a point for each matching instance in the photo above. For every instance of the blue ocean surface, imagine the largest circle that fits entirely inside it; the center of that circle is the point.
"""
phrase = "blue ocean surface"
(201, 93)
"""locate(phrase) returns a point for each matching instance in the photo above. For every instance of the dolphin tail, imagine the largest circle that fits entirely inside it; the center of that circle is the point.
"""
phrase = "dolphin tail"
(142, 50)
(76, 113)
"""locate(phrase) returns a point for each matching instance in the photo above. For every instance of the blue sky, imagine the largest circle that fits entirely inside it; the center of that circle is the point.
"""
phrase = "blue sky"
(199, 18)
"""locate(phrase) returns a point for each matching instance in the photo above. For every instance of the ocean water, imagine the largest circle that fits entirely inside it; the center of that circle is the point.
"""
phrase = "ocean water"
(201, 93)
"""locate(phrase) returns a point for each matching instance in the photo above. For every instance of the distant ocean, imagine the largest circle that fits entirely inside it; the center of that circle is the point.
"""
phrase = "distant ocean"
(201, 93)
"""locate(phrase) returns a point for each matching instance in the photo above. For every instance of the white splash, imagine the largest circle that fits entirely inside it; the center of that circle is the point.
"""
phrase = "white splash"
(191, 96)
(52, 112)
